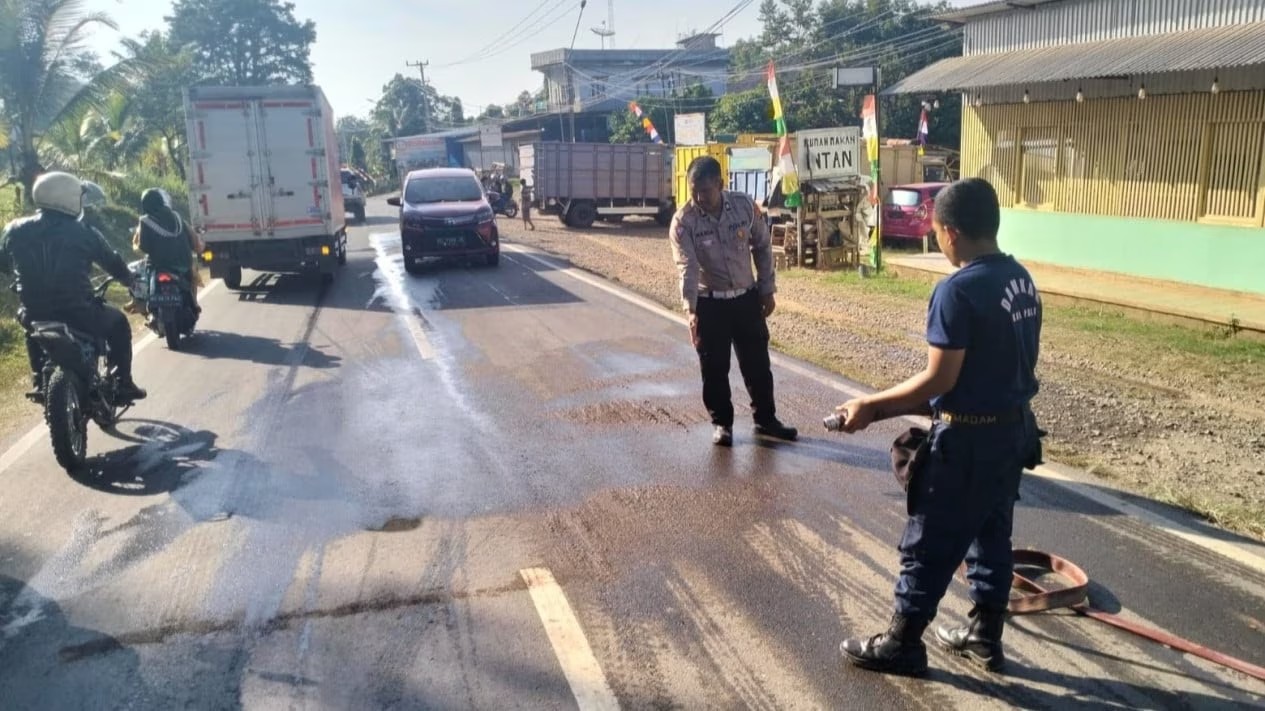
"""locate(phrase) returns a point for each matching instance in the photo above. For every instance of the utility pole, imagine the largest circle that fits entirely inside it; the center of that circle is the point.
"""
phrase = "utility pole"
(421, 67)
(570, 75)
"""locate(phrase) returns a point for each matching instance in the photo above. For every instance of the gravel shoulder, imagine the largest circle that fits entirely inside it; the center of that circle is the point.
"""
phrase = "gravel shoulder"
(1170, 412)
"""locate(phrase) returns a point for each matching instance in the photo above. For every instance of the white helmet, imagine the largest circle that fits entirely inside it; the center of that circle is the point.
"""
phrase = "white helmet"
(62, 192)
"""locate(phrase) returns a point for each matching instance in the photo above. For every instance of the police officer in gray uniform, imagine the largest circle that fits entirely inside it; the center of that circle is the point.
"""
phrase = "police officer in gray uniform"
(714, 239)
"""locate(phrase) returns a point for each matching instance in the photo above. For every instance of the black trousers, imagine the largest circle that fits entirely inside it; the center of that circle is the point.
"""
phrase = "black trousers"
(738, 324)
(97, 319)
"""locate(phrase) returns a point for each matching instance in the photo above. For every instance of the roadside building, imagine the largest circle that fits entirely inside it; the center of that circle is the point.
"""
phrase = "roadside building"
(594, 83)
(1122, 135)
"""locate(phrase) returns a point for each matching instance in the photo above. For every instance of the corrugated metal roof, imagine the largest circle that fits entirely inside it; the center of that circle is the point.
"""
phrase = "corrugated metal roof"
(1192, 50)
(989, 8)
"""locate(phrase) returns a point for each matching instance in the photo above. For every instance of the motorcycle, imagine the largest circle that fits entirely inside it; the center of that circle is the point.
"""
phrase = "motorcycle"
(78, 385)
(503, 205)
(168, 300)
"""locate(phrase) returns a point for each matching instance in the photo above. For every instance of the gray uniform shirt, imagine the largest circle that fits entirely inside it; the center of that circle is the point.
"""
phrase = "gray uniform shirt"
(715, 254)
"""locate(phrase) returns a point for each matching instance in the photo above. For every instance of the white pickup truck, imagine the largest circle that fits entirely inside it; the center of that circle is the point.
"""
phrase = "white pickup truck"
(265, 189)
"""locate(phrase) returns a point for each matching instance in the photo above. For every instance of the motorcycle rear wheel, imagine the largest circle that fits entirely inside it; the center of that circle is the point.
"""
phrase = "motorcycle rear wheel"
(67, 420)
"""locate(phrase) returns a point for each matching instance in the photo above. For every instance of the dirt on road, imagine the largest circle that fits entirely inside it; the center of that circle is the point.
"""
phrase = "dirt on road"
(1170, 412)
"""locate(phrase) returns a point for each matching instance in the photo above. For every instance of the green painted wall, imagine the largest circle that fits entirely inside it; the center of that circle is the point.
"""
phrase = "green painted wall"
(1210, 255)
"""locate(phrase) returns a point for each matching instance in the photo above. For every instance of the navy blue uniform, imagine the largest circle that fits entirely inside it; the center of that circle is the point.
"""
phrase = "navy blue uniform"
(961, 506)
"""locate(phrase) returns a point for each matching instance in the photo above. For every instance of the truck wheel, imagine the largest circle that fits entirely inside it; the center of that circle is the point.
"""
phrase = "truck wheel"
(663, 217)
(233, 279)
(494, 258)
(327, 278)
(582, 215)
(360, 214)
(342, 252)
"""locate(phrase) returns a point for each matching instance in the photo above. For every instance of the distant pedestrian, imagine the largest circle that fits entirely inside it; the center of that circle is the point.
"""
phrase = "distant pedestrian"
(525, 198)
(714, 238)
(983, 335)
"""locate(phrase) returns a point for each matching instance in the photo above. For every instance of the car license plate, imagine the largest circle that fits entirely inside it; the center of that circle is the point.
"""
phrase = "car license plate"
(450, 242)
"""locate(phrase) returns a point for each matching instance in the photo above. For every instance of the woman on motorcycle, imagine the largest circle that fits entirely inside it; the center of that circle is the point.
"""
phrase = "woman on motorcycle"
(165, 239)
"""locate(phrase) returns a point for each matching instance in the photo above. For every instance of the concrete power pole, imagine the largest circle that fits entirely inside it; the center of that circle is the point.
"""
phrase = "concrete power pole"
(421, 67)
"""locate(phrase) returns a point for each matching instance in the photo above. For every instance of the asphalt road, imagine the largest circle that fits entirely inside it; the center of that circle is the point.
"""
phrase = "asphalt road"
(494, 488)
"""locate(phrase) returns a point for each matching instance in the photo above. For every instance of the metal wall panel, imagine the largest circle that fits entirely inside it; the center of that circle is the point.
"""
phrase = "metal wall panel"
(1089, 20)
(1186, 157)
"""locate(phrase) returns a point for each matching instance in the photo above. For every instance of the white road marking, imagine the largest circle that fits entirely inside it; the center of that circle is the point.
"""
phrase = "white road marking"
(1228, 549)
(28, 440)
(584, 674)
(392, 280)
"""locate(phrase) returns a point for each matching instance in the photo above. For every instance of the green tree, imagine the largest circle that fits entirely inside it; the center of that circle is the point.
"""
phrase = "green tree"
(405, 108)
(245, 42)
(167, 69)
(898, 36)
(493, 112)
(42, 52)
(743, 112)
(625, 127)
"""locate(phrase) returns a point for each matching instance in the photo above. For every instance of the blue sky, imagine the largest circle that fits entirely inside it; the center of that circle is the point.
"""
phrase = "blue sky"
(361, 44)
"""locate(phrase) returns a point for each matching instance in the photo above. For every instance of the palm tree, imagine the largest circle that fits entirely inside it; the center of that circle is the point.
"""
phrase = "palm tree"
(42, 48)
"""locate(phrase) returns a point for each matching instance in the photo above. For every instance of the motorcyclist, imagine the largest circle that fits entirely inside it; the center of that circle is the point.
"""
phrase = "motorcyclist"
(167, 241)
(52, 253)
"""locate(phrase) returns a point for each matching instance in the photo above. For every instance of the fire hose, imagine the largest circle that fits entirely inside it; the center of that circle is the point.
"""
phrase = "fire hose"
(1037, 598)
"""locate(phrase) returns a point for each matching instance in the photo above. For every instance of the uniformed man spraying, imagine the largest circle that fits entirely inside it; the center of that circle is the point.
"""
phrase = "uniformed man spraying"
(983, 331)
(714, 239)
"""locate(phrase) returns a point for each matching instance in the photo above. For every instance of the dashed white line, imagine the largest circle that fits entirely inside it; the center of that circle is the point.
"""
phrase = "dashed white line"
(584, 675)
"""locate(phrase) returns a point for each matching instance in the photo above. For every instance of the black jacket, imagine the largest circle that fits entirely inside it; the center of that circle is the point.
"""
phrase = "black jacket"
(52, 255)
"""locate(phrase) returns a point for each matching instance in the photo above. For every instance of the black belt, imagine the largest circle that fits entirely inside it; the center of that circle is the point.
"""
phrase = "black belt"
(1008, 417)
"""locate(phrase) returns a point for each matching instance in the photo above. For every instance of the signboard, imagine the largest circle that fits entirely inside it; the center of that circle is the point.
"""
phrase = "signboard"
(854, 76)
(421, 152)
(690, 129)
(828, 152)
(759, 158)
(490, 135)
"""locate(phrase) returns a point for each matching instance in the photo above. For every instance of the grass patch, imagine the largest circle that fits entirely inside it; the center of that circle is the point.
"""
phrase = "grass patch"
(13, 365)
(1216, 343)
(1235, 517)
(884, 284)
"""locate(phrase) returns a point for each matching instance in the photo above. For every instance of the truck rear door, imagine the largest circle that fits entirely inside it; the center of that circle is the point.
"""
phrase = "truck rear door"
(227, 191)
(296, 169)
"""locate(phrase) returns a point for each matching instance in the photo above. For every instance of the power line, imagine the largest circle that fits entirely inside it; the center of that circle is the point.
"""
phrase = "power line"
(558, 10)
(480, 53)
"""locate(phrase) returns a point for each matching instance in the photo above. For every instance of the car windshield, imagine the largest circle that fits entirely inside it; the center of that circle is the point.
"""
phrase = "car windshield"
(450, 189)
(904, 198)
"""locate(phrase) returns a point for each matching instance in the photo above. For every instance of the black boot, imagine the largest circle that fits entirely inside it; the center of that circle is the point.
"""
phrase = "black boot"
(775, 429)
(899, 650)
(979, 641)
(128, 391)
(36, 393)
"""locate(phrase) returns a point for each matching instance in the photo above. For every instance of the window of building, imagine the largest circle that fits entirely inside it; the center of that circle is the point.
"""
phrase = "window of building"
(1039, 166)
(1234, 169)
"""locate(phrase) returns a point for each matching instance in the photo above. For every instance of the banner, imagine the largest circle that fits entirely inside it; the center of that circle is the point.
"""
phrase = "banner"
(785, 167)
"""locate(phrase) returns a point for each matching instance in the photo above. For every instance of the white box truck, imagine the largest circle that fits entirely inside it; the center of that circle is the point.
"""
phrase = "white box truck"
(265, 191)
